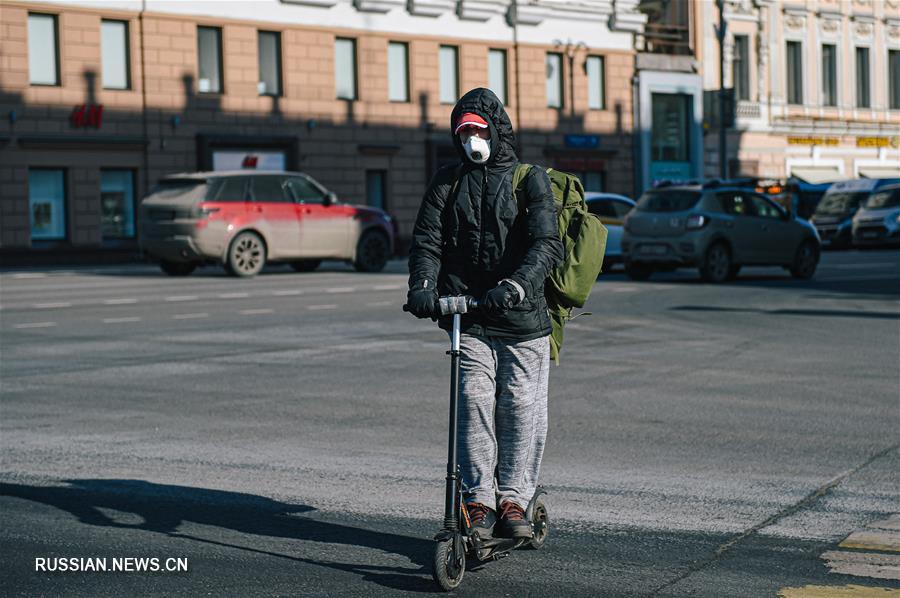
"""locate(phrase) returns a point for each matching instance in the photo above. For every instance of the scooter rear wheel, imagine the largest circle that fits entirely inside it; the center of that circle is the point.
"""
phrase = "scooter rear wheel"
(540, 523)
(449, 565)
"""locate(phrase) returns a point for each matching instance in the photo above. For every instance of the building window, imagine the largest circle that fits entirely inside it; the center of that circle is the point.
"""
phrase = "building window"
(376, 188)
(894, 78)
(47, 204)
(114, 51)
(209, 52)
(592, 180)
(862, 78)
(398, 71)
(740, 74)
(117, 204)
(596, 89)
(345, 68)
(269, 63)
(554, 80)
(43, 63)
(448, 59)
(829, 75)
(497, 73)
(794, 73)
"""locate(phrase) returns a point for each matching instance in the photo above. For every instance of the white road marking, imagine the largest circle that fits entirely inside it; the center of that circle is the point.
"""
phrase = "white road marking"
(190, 316)
(860, 266)
(234, 295)
(320, 307)
(29, 275)
(251, 312)
(287, 293)
(120, 320)
(52, 305)
(380, 303)
(388, 287)
(36, 325)
(863, 564)
(624, 290)
(124, 301)
(340, 290)
(182, 298)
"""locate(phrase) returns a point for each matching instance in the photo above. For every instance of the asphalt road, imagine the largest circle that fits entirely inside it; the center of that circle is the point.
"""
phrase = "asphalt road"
(287, 435)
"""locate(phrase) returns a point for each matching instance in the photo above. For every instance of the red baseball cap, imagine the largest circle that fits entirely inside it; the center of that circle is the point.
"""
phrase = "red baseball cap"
(470, 119)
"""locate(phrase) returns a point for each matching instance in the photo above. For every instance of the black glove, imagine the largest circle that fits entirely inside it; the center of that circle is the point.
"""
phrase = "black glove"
(501, 298)
(422, 301)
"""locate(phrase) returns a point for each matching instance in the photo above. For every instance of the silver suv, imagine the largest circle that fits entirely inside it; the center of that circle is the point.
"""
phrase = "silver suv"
(717, 229)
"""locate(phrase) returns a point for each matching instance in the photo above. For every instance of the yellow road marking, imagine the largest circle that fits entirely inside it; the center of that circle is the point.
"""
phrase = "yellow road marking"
(850, 591)
(873, 540)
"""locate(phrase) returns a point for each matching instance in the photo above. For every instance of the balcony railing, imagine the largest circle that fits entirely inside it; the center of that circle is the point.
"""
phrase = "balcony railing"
(661, 38)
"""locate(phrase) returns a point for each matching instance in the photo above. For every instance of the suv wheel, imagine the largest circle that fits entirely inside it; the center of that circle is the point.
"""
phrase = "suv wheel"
(716, 264)
(305, 265)
(805, 260)
(177, 268)
(638, 271)
(246, 255)
(372, 252)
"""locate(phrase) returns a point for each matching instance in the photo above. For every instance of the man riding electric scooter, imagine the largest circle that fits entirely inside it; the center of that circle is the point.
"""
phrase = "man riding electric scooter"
(477, 236)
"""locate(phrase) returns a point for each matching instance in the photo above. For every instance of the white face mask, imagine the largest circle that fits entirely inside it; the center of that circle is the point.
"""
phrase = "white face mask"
(477, 149)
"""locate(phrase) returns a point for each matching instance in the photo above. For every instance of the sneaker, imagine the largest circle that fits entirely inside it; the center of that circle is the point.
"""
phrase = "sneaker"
(482, 519)
(512, 521)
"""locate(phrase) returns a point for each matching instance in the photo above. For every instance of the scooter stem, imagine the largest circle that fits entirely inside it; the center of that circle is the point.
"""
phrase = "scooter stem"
(451, 508)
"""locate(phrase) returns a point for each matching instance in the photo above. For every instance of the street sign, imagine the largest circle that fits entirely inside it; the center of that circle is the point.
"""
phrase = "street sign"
(582, 141)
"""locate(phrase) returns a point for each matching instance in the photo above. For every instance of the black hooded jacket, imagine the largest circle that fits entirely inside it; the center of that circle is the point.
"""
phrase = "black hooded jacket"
(468, 240)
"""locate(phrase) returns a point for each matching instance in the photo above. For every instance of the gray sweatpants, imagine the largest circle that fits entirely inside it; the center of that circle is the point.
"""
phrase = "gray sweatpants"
(502, 416)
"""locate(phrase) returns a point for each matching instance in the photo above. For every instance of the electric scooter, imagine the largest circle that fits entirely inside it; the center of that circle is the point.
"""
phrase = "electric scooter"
(457, 538)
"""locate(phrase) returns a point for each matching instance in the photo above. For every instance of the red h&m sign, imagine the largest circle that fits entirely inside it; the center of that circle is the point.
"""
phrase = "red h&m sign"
(87, 115)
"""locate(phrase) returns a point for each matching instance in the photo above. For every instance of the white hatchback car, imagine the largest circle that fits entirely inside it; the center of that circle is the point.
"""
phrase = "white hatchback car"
(611, 209)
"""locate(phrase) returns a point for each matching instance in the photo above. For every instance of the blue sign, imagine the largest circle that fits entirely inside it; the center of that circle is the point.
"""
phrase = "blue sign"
(582, 141)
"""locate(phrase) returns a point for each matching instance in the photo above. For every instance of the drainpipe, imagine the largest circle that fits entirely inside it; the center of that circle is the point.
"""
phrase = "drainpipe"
(144, 100)
(514, 20)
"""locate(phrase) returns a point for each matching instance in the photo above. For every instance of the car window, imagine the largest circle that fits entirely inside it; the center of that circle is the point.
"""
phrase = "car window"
(602, 208)
(621, 208)
(764, 208)
(270, 188)
(736, 203)
(304, 190)
(889, 198)
(668, 200)
(232, 189)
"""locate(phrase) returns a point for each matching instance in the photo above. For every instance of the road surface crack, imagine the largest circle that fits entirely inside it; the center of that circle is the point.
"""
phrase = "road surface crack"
(805, 502)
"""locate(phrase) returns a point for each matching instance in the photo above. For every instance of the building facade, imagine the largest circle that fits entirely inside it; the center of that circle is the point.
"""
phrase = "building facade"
(99, 99)
(816, 86)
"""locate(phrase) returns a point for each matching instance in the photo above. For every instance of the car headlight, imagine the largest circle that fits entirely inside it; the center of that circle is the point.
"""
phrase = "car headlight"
(892, 220)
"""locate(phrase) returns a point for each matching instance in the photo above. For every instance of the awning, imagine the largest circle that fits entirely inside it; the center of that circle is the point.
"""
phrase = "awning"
(886, 171)
(817, 175)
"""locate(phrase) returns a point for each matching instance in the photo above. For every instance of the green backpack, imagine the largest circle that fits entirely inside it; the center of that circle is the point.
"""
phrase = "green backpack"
(584, 244)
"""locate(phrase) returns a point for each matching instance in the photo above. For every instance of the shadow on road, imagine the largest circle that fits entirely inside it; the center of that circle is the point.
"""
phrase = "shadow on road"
(163, 508)
(819, 313)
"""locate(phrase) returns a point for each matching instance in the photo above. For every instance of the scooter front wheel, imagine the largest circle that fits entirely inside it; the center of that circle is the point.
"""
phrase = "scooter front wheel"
(449, 564)
(540, 523)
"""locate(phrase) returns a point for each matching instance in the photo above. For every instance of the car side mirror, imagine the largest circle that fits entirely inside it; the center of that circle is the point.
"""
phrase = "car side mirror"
(330, 198)
(785, 215)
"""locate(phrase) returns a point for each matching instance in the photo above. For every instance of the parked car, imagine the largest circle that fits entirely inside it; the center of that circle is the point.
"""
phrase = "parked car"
(833, 217)
(611, 209)
(877, 222)
(717, 229)
(246, 219)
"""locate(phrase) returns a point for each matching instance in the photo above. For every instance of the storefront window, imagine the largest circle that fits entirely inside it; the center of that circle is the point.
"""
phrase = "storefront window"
(117, 204)
(47, 204)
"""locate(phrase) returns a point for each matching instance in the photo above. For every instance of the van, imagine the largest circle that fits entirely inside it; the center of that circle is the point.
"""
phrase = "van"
(833, 217)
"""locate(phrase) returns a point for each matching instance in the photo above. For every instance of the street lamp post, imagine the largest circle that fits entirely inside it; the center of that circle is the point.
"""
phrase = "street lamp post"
(723, 171)
(570, 49)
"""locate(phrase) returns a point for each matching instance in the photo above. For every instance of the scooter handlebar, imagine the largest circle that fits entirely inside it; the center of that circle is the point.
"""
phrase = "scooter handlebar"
(454, 304)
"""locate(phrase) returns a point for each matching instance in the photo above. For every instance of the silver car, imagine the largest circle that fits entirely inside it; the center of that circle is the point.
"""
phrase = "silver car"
(611, 209)
(878, 220)
(717, 229)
